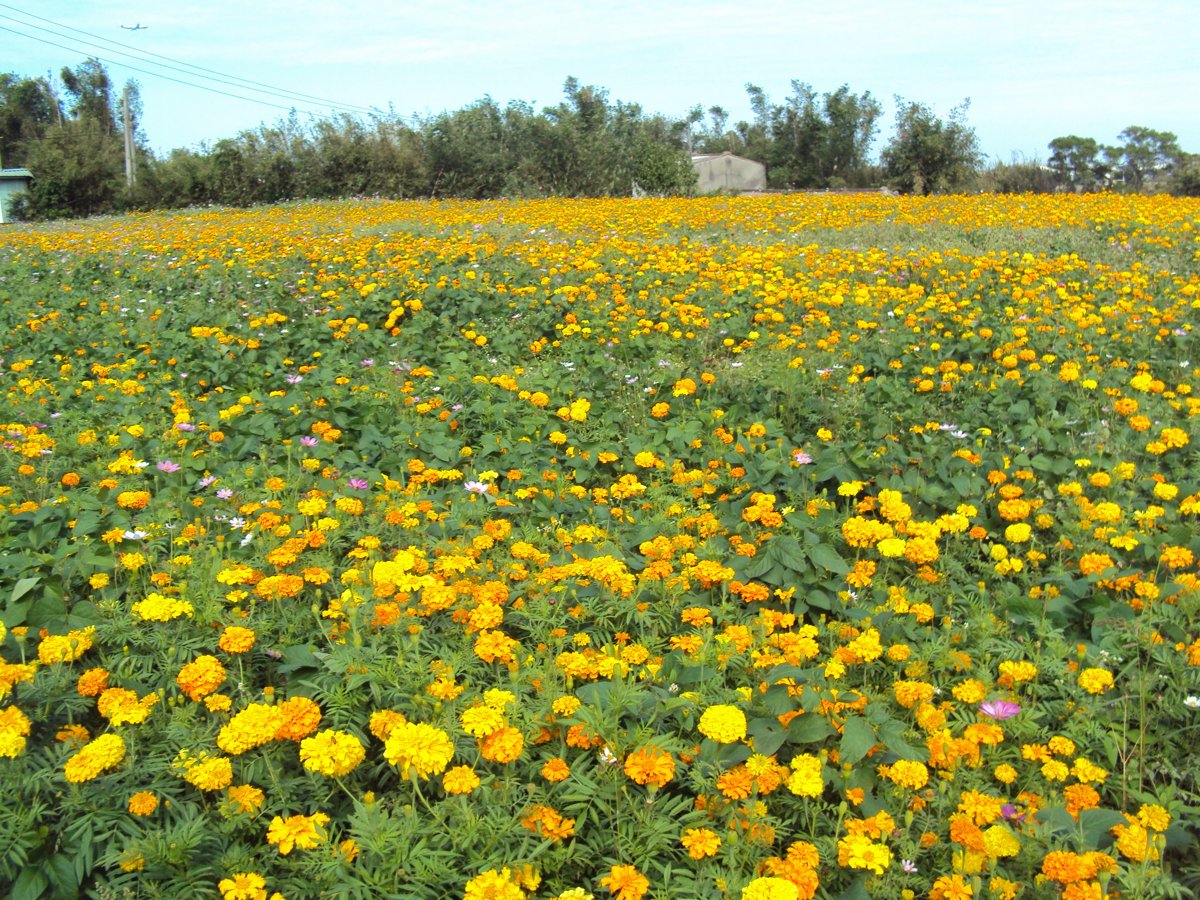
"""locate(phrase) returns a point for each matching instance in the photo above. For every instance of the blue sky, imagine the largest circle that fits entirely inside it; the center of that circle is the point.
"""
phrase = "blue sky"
(1032, 70)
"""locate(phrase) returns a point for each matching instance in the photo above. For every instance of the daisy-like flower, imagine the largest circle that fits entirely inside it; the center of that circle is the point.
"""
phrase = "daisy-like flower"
(999, 709)
(476, 487)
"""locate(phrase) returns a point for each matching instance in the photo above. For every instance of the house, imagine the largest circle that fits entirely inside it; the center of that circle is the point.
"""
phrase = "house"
(724, 173)
(12, 182)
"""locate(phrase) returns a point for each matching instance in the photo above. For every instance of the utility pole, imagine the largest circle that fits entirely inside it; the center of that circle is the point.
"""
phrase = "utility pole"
(127, 121)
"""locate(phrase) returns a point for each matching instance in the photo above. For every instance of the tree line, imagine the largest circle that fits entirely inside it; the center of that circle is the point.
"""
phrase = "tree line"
(68, 132)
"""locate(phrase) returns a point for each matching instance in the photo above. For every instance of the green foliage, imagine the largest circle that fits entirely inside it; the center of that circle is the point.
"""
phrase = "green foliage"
(928, 155)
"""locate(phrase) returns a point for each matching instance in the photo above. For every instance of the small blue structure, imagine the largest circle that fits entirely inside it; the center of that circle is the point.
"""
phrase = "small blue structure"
(12, 182)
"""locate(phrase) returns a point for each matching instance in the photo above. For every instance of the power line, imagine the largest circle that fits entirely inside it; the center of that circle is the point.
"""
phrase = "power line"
(125, 65)
(231, 80)
(223, 75)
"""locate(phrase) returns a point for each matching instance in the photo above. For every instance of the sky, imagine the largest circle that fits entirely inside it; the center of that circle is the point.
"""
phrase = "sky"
(1032, 71)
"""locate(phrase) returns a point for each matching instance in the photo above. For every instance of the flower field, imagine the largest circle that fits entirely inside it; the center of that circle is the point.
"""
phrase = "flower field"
(764, 548)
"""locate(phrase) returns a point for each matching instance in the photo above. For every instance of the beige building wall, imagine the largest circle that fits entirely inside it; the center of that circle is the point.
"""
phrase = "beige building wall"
(729, 174)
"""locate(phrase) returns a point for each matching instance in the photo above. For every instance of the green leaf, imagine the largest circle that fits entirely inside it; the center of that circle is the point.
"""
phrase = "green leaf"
(29, 885)
(1096, 825)
(826, 557)
(858, 737)
(808, 729)
(298, 656)
(768, 735)
(23, 587)
(1056, 818)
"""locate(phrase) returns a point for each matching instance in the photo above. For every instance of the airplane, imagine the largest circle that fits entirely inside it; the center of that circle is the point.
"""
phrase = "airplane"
(138, 27)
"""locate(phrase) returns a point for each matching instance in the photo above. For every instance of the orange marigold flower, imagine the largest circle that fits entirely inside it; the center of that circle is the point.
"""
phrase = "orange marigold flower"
(650, 766)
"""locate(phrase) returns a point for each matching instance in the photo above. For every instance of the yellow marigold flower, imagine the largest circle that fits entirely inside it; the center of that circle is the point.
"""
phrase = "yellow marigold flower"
(201, 677)
(236, 639)
(157, 608)
(460, 780)
(1176, 557)
(143, 803)
(805, 778)
(123, 707)
(303, 832)
(252, 727)
(105, 752)
(625, 883)
(1096, 681)
(245, 798)
(770, 888)
(243, 886)
(331, 753)
(133, 499)
(210, 773)
(723, 723)
(65, 648)
(383, 721)
(891, 547)
(556, 769)
(700, 842)
(907, 773)
(493, 885)
(999, 841)
(565, 706)
(1151, 815)
(858, 851)
(481, 721)
(951, 887)
(423, 748)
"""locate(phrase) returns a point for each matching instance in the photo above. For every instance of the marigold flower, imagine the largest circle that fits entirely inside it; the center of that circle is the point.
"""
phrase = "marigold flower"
(236, 639)
(331, 753)
(625, 882)
(252, 727)
(1096, 681)
(493, 885)
(245, 798)
(303, 832)
(105, 752)
(143, 803)
(423, 748)
(65, 648)
(805, 779)
(299, 717)
(201, 677)
(770, 888)
(460, 780)
(504, 745)
(700, 842)
(723, 723)
(650, 766)
(243, 886)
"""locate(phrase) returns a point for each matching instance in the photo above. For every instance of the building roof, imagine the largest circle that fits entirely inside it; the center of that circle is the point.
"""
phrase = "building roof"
(15, 173)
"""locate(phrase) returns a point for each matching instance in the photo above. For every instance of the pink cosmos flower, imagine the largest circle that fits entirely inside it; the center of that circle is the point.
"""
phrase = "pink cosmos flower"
(999, 709)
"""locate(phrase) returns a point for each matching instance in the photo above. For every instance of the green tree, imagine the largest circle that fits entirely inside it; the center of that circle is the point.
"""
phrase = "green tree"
(1075, 163)
(28, 110)
(1148, 157)
(928, 155)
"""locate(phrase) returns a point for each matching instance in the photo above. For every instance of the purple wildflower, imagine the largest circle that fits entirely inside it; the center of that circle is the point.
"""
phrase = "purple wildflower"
(308, 441)
(359, 484)
(185, 426)
(476, 487)
(168, 466)
(224, 493)
(801, 458)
